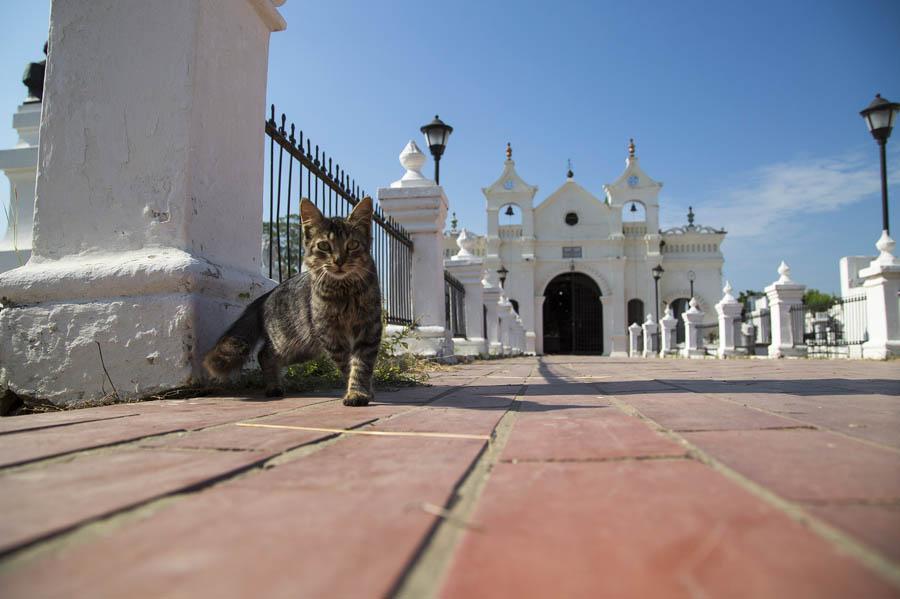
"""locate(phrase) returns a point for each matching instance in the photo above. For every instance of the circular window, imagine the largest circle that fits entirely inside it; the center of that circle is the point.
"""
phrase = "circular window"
(571, 219)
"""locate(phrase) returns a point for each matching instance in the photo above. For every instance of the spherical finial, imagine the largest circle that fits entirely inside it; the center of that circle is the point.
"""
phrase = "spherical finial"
(727, 289)
(690, 216)
(508, 151)
(453, 222)
(569, 173)
(631, 148)
(694, 304)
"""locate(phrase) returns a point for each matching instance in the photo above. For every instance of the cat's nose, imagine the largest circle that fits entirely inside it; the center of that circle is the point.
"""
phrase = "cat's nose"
(339, 260)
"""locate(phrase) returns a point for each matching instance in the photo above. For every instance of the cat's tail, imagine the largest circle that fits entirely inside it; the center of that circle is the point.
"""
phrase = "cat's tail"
(232, 349)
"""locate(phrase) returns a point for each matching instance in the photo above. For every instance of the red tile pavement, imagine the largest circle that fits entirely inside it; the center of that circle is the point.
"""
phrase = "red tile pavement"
(341, 523)
(599, 502)
(807, 465)
(38, 502)
(641, 529)
(583, 434)
(688, 411)
(875, 525)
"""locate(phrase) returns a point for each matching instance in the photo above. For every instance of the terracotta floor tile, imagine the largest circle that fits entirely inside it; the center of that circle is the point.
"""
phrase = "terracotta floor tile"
(807, 465)
(641, 529)
(875, 525)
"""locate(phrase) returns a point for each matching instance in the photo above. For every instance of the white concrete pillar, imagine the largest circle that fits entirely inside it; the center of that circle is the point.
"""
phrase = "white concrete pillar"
(668, 324)
(881, 280)
(148, 205)
(787, 328)
(492, 305)
(729, 311)
(692, 318)
(634, 345)
(507, 314)
(538, 347)
(19, 164)
(421, 207)
(650, 328)
(469, 270)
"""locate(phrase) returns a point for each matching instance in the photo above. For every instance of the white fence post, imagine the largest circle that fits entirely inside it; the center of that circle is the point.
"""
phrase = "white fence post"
(148, 206)
(492, 316)
(420, 206)
(729, 311)
(667, 338)
(882, 284)
(20, 166)
(692, 318)
(650, 329)
(634, 346)
(787, 325)
(469, 270)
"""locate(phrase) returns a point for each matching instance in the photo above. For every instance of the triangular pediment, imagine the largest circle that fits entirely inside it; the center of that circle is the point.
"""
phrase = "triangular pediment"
(509, 182)
(633, 178)
(570, 191)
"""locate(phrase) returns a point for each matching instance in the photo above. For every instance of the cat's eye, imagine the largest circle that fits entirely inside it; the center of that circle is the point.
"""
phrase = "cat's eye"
(352, 245)
(324, 246)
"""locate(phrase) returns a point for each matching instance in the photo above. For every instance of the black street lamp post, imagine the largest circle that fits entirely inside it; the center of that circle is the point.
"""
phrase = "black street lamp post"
(437, 132)
(657, 275)
(691, 276)
(880, 115)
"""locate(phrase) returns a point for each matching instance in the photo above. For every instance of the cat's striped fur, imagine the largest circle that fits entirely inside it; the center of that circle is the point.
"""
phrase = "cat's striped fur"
(333, 307)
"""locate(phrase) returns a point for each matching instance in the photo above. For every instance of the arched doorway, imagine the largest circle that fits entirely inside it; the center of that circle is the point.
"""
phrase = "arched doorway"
(679, 307)
(573, 315)
(635, 310)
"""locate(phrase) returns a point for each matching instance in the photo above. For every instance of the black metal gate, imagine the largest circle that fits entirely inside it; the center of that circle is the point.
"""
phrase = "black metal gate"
(573, 316)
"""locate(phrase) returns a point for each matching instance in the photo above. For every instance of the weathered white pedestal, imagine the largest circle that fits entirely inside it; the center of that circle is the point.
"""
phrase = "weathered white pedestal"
(729, 311)
(148, 210)
(692, 319)
(783, 295)
(649, 329)
(882, 285)
(19, 164)
(469, 270)
(421, 207)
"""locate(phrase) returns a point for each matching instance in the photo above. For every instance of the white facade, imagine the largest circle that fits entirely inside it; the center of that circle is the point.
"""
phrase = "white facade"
(614, 245)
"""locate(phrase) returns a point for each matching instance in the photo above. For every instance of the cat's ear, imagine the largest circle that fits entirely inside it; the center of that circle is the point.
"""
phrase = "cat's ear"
(309, 214)
(362, 213)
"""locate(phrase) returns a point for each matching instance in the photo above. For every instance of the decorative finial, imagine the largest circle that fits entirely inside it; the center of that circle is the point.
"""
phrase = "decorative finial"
(784, 273)
(466, 243)
(412, 159)
(694, 305)
(690, 216)
(453, 222)
(885, 246)
(508, 151)
(570, 174)
(631, 148)
(727, 289)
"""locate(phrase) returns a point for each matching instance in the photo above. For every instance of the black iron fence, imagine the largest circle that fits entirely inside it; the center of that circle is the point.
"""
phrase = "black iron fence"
(829, 331)
(455, 305)
(708, 337)
(298, 169)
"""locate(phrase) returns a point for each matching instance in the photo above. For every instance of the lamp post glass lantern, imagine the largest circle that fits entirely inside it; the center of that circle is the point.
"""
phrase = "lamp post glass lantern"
(880, 115)
(437, 132)
(657, 275)
(502, 272)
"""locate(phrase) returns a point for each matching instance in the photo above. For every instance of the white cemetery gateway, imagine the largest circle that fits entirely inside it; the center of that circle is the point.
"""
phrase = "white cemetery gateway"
(579, 267)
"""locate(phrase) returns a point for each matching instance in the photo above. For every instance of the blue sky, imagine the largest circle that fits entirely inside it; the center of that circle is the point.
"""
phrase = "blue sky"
(746, 111)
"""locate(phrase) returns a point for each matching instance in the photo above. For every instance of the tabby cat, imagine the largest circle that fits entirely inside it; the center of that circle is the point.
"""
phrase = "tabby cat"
(333, 307)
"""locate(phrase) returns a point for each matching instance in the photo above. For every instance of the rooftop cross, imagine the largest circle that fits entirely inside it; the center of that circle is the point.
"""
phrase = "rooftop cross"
(631, 148)
(570, 174)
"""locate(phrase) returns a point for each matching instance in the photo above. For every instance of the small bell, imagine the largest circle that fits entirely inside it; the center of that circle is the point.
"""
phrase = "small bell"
(633, 207)
(509, 211)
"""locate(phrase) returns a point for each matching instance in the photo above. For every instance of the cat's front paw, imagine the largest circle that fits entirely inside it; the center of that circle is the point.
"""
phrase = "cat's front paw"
(356, 398)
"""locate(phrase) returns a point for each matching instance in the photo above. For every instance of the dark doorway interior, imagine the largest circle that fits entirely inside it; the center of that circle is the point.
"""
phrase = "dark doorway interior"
(573, 316)
(635, 312)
